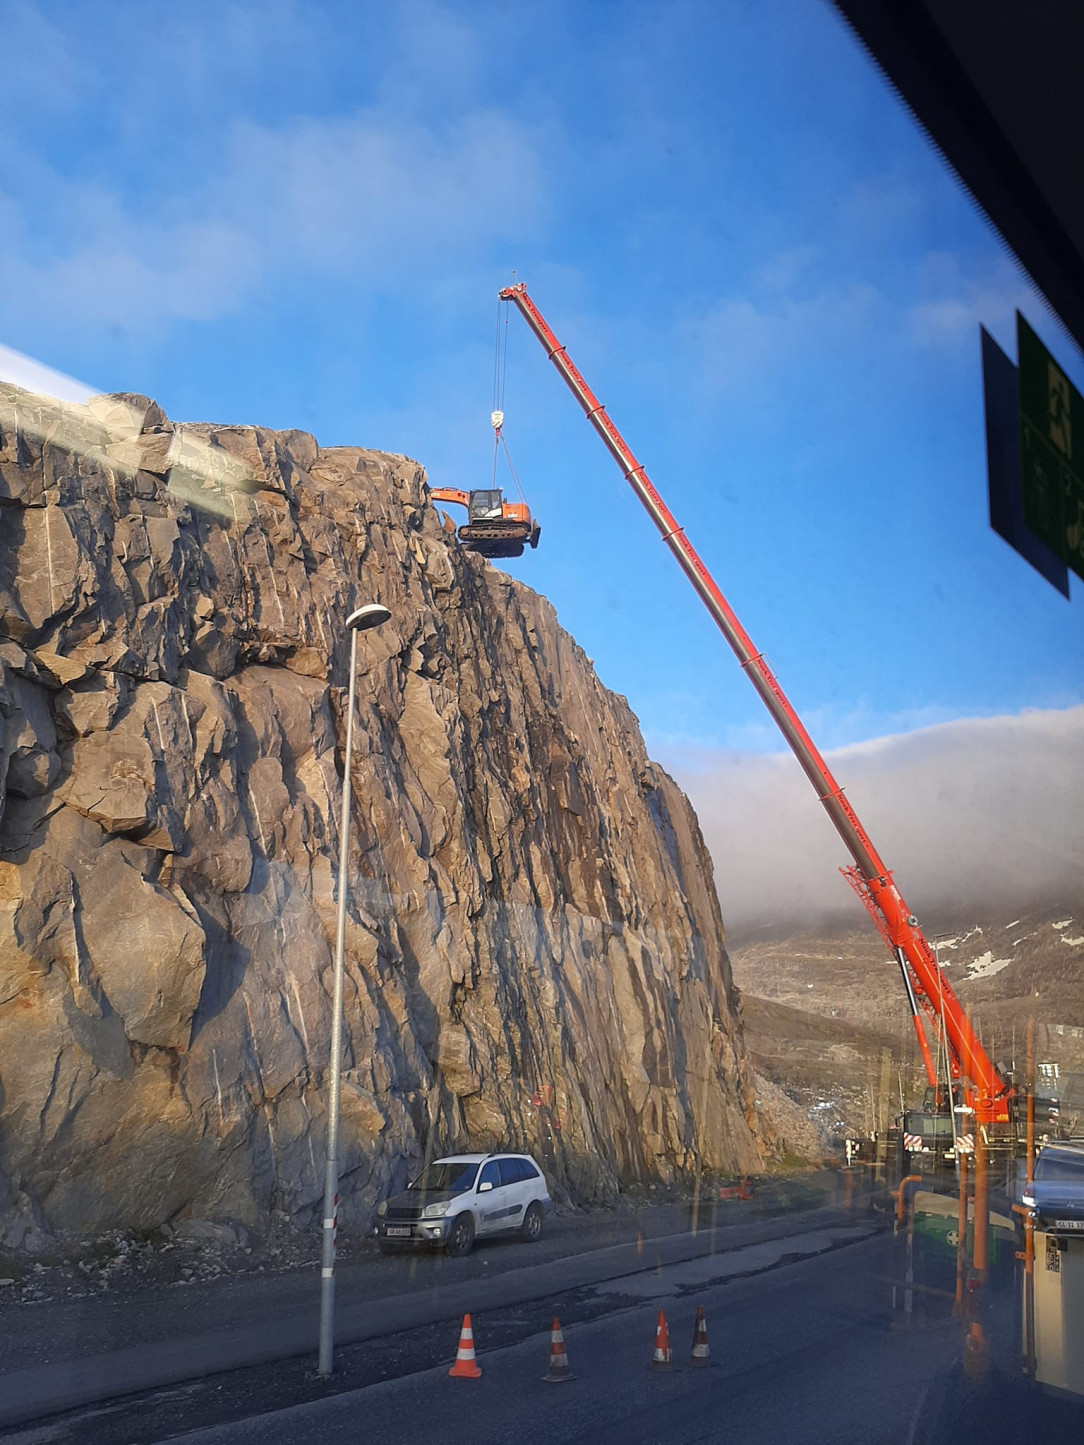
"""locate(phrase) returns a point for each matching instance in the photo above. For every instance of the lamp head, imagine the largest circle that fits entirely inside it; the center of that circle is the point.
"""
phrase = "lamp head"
(372, 614)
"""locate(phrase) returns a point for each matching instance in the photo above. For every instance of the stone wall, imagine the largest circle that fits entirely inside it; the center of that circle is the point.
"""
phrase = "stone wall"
(534, 947)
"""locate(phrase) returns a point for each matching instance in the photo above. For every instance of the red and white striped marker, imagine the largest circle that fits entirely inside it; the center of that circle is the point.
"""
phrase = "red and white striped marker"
(558, 1371)
(466, 1366)
(663, 1354)
(700, 1354)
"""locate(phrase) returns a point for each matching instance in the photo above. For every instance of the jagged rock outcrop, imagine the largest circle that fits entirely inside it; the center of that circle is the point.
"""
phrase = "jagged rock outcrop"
(534, 946)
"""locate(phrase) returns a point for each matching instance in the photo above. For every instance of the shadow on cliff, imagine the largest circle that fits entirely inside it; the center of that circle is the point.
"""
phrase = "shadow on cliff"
(425, 1021)
(226, 962)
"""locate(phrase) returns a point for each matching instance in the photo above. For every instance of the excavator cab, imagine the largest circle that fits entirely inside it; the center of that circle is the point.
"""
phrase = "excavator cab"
(486, 506)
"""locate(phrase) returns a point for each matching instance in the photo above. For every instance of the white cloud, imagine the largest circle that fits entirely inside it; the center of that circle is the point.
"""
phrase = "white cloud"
(141, 277)
(974, 812)
(374, 192)
(877, 208)
(743, 340)
(398, 190)
(780, 271)
(956, 302)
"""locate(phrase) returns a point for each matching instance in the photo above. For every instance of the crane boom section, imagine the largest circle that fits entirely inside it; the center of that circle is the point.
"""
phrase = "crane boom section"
(900, 925)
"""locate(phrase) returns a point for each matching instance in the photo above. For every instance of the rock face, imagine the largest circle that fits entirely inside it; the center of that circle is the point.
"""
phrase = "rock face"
(534, 950)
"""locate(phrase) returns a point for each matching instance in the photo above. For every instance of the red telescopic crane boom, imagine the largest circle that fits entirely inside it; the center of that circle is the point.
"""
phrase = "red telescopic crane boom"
(927, 988)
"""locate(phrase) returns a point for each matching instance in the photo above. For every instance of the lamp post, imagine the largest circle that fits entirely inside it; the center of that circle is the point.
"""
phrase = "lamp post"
(372, 614)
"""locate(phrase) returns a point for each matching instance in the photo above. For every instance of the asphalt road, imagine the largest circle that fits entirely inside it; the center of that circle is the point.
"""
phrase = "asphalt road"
(270, 1361)
(70, 1327)
(807, 1352)
(809, 1342)
(66, 1353)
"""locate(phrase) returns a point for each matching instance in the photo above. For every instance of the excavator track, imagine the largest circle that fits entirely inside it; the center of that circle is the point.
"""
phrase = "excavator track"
(494, 531)
(499, 539)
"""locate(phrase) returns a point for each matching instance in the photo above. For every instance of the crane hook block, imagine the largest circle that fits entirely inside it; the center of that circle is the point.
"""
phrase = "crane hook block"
(496, 420)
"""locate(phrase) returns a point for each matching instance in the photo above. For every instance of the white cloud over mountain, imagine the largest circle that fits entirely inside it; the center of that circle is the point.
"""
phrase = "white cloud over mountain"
(982, 812)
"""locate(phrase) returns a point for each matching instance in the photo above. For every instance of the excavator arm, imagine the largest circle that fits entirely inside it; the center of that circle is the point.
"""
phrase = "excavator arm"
(927, 986)
(450, 494)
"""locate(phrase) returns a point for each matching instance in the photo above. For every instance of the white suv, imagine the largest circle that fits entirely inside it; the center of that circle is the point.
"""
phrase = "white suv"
(463, 1196)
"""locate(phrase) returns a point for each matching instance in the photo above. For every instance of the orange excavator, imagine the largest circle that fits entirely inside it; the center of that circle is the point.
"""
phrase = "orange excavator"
(986, 1096)
(494, 527)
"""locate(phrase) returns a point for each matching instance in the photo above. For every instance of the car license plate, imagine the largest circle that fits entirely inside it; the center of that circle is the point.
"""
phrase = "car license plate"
(1069, 1223)
(397, 1231)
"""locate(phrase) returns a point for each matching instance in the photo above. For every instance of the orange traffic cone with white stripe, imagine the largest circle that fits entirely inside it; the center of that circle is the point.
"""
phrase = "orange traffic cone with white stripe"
(558, 1371)
(466, 1366)
(663, 1353)
(700, 1339)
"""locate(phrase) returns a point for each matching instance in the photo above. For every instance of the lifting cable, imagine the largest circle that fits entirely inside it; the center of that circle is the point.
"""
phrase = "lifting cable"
(500, 357)
(500, 367)
(511, 468)
(500, 373)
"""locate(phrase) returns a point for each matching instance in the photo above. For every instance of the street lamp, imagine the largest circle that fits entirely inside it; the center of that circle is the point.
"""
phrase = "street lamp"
(372, 614)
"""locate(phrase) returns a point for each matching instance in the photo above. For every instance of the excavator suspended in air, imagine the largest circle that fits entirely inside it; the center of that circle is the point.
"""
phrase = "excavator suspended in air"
(494, 527)
(933, 1004)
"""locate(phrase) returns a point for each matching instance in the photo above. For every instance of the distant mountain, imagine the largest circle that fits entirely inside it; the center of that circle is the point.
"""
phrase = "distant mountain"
(823, 1010)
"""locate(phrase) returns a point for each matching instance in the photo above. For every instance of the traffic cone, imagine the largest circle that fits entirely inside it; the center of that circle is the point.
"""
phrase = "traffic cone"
(466, 1366)
(558, 1371)
(700, 1338)
(663, 1353)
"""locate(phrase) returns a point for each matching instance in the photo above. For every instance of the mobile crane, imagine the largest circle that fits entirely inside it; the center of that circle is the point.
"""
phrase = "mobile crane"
(986, 1095)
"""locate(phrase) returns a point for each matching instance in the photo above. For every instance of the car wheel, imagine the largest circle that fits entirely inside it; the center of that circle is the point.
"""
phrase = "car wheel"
(461, 1236)
(531, 1228)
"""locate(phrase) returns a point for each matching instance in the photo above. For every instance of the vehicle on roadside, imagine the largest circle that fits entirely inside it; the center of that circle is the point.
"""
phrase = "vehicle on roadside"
(1058, 1186)
(463, 1197)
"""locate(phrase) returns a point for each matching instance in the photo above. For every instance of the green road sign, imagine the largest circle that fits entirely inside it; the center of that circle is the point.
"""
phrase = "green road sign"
(1051, 449)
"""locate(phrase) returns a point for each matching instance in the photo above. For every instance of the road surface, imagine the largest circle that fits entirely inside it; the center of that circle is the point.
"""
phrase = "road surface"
(809, 1352)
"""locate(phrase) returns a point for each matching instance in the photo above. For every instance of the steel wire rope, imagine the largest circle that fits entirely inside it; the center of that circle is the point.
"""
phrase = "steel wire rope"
(497, 388)
(500, 382)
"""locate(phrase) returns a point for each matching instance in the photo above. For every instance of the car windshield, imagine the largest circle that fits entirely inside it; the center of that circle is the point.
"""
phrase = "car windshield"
(1060, 1166)
(452, 1176)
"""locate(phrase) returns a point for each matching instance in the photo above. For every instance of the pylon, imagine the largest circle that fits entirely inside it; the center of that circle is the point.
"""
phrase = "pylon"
(466, 1366)
(700, 1338)
(663, 1353)
(558, 1371)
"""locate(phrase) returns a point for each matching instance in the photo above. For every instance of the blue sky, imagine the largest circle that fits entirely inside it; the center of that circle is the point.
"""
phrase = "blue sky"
(299, 215)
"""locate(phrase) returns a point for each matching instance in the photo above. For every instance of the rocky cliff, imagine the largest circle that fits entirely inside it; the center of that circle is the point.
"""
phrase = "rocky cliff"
(534, 947)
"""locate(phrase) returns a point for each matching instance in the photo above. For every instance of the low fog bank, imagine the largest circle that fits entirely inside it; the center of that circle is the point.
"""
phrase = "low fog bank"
(978, 814)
